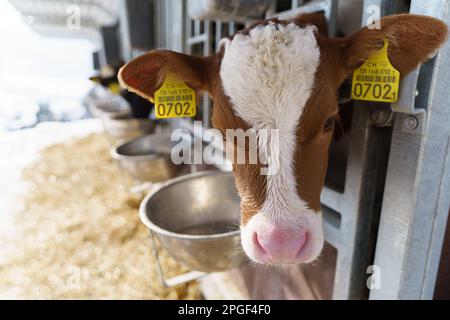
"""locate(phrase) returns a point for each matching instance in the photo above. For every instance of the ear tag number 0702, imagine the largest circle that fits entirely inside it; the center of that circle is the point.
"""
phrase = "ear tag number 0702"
(175, 99)
(376, 80)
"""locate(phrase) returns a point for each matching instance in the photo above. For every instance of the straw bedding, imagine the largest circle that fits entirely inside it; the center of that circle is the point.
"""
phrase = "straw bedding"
(79, 235)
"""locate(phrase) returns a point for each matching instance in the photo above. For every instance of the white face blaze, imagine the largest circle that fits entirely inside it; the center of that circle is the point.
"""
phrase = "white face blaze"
(269, 76)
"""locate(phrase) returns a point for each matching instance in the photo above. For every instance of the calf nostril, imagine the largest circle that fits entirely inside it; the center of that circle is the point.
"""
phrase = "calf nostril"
(258, 245)
(301, 243)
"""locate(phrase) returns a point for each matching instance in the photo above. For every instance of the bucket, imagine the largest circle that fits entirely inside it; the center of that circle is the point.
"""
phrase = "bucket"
(124, 127)
(196, 219)
(147, 158)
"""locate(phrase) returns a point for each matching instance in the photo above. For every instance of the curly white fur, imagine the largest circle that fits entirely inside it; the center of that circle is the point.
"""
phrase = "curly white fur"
(269, 76)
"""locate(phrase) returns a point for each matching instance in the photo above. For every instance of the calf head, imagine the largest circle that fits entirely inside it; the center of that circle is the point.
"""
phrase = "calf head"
(284, 75)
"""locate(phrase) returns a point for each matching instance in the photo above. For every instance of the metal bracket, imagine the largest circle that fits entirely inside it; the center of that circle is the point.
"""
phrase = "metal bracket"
(408, 93)
(413, 119)
(174, 281)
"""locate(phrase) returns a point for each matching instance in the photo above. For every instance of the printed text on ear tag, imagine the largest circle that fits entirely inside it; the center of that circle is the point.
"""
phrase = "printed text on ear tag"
(376, 80)
(175, 99)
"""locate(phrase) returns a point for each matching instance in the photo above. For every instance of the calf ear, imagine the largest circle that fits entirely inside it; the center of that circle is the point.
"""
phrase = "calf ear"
(317, 19)
(413, 39)
(145, 74)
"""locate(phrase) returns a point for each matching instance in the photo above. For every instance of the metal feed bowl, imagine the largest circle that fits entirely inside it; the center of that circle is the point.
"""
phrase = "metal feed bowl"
(124, 127)
(109, 107)
(147, 158)
(196, 219)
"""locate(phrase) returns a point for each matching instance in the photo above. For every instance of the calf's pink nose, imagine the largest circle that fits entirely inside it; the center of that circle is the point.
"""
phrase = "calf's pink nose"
(281, 245)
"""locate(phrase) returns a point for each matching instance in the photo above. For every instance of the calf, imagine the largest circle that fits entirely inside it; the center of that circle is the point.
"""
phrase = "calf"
(284, 75)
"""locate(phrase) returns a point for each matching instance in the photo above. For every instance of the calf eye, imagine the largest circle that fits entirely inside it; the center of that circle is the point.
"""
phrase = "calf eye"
(329, 124)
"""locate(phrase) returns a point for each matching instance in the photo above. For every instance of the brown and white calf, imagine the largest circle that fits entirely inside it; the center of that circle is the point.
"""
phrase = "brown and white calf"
(284, 75)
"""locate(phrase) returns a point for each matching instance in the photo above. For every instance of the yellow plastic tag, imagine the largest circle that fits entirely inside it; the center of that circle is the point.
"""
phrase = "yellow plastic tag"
(376, 80)
(175, 99)
(114, 88)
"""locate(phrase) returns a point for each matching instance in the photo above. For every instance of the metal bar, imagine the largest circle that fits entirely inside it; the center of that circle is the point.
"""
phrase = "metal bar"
(331, 231)
(363, 187)
(332, 17)
(329, 7)
(142, 187)
(161, 35)
(183, 278)
(184, 24)
(197, 26)
(231, 28)
(332, 199)
(188, 29)
(207, 49)
(174, 25)
(174, 281)
(201, 38)
(311, 7)
(218, 33)
(296, 3)
(125, 39)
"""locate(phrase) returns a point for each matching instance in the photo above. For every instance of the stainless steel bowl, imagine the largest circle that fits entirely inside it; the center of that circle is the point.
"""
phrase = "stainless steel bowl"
(147, 158)
(124, 127)
(109, 107)
(196, 219)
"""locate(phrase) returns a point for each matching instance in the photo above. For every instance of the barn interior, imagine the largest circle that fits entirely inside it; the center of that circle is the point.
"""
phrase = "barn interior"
(93, 208)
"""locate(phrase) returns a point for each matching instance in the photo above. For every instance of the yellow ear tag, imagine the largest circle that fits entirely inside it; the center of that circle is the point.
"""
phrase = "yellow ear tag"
(175, 99)
(114, 88)
(376, 80)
